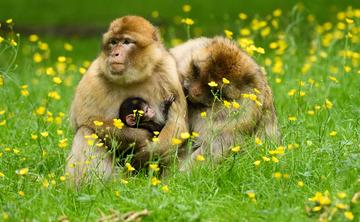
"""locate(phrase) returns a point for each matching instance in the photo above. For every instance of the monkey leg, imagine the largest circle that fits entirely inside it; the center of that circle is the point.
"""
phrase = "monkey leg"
(85, 159)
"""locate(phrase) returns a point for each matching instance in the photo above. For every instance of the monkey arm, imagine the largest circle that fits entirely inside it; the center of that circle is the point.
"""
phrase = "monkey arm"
(125, 134)
(176, 124)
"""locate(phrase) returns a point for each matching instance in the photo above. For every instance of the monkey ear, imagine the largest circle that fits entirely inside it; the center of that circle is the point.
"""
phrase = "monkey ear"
(130, 120)
(156, 35)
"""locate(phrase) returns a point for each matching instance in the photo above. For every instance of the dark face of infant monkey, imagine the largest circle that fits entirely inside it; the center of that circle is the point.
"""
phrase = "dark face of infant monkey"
(137, 113)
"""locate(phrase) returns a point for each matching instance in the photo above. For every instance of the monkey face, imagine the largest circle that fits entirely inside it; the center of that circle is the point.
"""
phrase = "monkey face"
(149, 113)
(119, 50)
(199, 75)
(130, 44)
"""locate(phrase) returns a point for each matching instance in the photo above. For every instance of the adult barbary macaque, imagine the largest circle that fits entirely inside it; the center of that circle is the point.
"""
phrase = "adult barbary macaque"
(243, 103)
(133, 63)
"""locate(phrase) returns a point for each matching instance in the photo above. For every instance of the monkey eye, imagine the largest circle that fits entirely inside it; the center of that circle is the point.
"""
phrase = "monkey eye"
(114, 41)
(127, 41)
(196, 71)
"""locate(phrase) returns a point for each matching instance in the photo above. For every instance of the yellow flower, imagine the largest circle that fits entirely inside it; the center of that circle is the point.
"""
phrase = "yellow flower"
(45, 183)
(235, 104)
(228, 34)
(341, 195)
(277, 13)
(332, 78)
(21, 193)
(98, 123)
(311, 112)
(82, 70)
(129, 167)
(187, 21)
(317, 208)
(245, 32)
(63, 143)
(61, 59)
(260, 50)
(292, 92)
(292, 118)
(155, 181)
(9, 21)
(349, 215)
(165, 188)
(278, 80)
(186, 8)
(274, 159)
(212, 84)
(333, 133)
(117, 193)
(44, 134)
(203, 114)
(235, 149)
(328, 104)
(185, 135)
(13, 43)
(22, 171)
(25, 92)
(300, 183)
(258, 141)
(43, 46)
(124, 181)
(251, 194)
(68, 46)
(257, 162)
(195, 134)
(154, 167)
(349, 21)
(227, 104)
(341, 206)
(37, 57)
(225, 81)
(54, 95)
(118, 123)
(266, 159)
(5, 215)
(200, 157)
(57, 80)
(176, 141)
(155, 14)
(155, 139)
(62, 178)
(277, 175)
(243, 16)
(2, 174)
(33, 38)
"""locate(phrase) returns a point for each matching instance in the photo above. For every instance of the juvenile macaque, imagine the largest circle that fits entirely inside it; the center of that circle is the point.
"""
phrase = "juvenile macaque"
(133, 63)
(245, 88)
(137, 113)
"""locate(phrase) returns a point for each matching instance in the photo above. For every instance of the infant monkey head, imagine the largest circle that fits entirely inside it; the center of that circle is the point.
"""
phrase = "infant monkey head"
(136, 110)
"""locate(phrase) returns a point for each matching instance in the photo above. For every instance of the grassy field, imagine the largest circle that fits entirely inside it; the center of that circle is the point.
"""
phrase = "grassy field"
(313, 67)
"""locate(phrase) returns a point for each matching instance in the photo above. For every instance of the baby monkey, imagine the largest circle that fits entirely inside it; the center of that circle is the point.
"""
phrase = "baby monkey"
(137, 113)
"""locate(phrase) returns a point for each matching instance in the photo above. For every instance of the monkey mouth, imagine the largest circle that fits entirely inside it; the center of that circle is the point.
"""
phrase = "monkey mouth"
(117, 67)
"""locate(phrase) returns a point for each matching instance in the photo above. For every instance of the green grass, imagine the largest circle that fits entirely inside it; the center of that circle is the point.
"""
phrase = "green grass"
(210, 192)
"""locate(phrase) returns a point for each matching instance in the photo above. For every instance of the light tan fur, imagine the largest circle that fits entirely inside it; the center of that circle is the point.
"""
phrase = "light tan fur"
(203, 60)
(150, 74)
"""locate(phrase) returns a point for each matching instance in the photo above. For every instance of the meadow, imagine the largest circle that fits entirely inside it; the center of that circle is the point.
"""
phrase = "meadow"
(312, 63)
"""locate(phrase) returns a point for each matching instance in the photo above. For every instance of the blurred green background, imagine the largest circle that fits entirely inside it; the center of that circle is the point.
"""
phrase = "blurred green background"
(82, 22)
(86, 18)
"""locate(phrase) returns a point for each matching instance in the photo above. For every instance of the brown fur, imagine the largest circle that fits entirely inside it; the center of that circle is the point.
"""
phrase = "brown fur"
(203, 60)
(150, 73)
